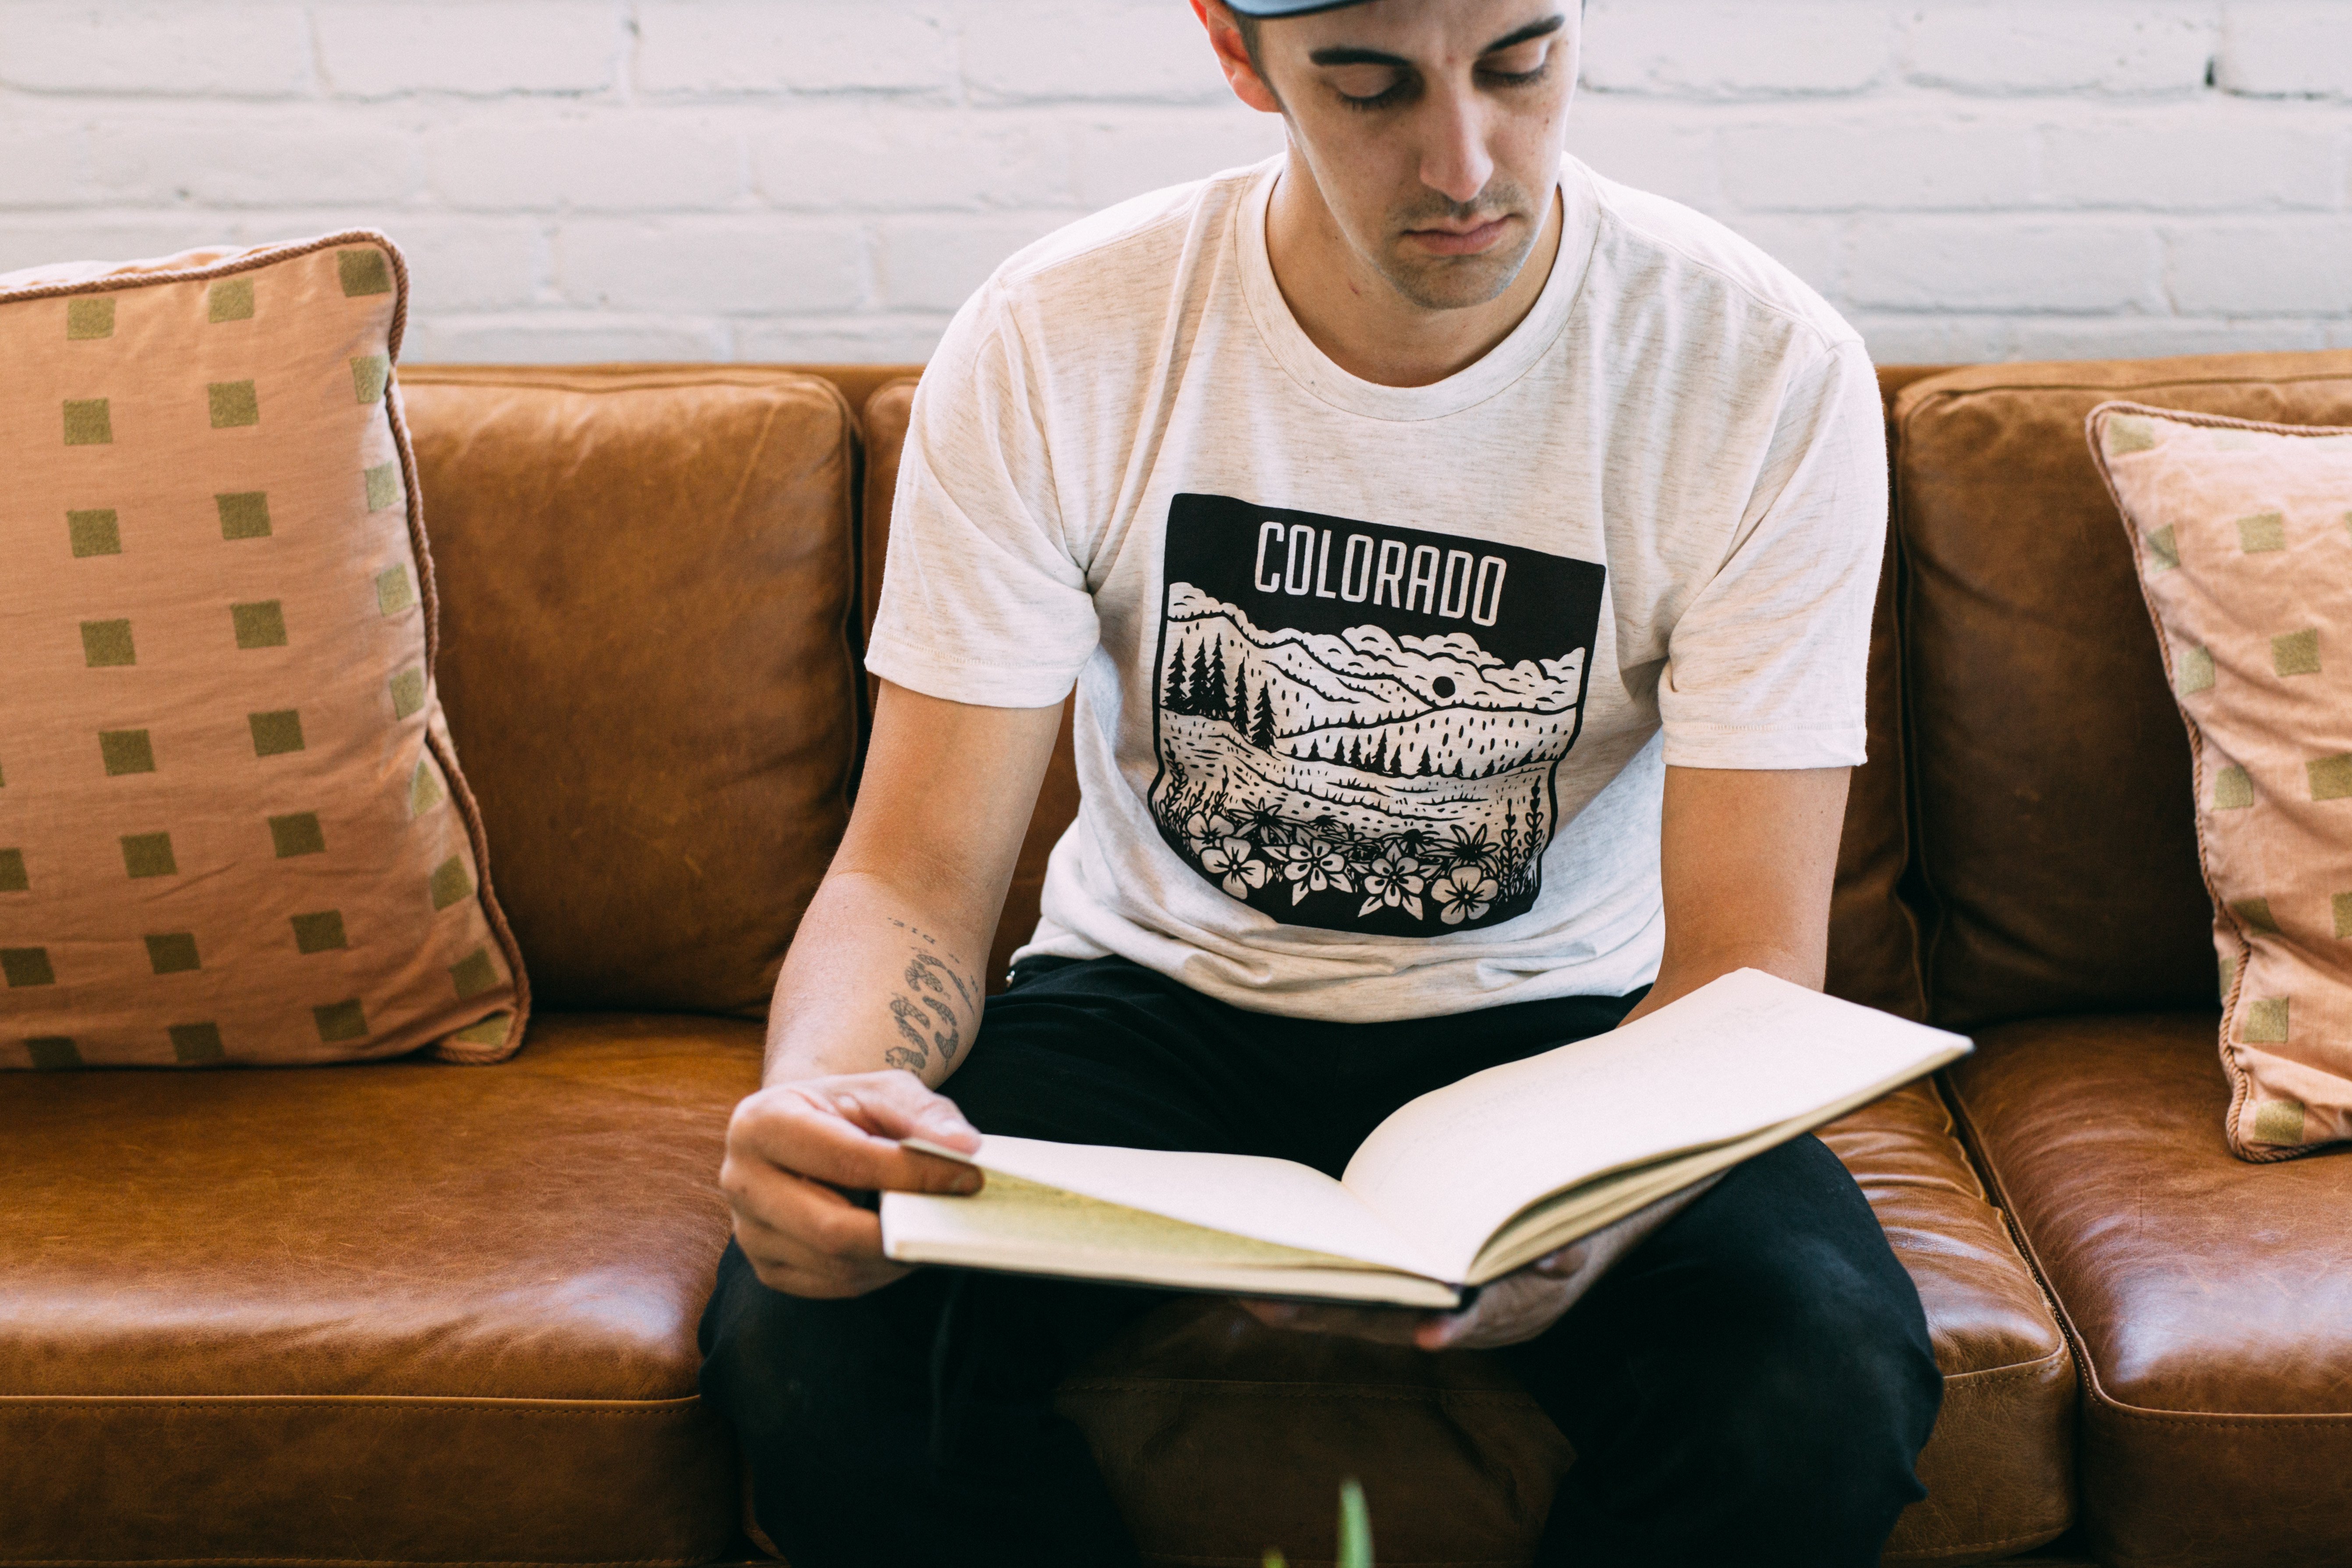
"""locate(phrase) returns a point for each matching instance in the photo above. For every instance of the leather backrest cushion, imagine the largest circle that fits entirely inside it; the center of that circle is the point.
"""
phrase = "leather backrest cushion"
(1874, 955)
(2056, 842)
(649, 619)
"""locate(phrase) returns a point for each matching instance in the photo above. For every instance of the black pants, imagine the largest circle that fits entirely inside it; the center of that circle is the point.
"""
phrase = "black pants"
(1749, 1387)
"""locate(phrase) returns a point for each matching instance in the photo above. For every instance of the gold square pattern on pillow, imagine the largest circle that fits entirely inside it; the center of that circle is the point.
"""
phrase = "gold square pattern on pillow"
(2243, 536)
(232, 825)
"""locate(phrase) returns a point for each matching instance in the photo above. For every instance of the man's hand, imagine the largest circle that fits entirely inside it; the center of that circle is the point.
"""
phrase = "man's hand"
(795, 1152)
(1510, 1311)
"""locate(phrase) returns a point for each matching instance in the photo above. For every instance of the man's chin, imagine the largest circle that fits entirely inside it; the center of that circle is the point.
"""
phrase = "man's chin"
(1457, 282)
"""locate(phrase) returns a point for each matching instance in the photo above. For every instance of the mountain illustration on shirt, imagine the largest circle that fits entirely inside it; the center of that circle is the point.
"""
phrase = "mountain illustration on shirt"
(1359, 726)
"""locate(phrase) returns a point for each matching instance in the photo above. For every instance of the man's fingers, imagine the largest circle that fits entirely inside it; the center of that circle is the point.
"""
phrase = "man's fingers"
(1442, 1331)
(804, 1217)
(808, 1134)
(899, 1105)
(784, 1263)
(1559, 1264)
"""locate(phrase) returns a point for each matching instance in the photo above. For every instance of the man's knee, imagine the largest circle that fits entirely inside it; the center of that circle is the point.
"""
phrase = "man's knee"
(1823, 1405)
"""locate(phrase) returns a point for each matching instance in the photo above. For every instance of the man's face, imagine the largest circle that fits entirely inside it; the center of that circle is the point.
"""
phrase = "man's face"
(1433, 130)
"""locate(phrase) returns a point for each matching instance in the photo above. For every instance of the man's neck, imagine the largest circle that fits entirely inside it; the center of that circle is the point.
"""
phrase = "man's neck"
(1357, 317)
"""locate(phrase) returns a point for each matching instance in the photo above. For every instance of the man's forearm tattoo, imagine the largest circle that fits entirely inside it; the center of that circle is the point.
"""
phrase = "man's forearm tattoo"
(930, 1013)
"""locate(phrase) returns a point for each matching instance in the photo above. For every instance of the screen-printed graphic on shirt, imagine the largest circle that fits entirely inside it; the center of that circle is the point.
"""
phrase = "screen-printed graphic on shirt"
(1357, 725)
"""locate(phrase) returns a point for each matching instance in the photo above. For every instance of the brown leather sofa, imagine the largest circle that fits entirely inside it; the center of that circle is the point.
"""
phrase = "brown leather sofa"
(413, 1313)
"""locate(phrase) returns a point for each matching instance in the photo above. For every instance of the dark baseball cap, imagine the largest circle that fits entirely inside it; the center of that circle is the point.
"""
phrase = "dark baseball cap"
(1288, 7)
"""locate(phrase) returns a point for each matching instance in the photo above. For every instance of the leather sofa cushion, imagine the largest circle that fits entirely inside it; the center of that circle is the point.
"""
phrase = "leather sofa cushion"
(395, 1311)
(2050, 777)
(1197, 1406)
(648, 618)
(2211, 1300)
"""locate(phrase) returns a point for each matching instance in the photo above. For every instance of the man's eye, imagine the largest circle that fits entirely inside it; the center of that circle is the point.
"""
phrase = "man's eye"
(1368, 87)
(1512, 67)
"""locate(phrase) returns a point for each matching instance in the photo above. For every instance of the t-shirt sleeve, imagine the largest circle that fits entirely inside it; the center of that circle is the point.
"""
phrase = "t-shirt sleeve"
(1767, 666)
(981, 600)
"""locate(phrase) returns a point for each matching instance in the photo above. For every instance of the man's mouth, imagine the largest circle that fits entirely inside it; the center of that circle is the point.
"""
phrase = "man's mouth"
(1445, 239)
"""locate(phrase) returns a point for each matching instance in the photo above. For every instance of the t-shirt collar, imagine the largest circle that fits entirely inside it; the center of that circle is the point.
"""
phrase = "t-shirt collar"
(1505, 362)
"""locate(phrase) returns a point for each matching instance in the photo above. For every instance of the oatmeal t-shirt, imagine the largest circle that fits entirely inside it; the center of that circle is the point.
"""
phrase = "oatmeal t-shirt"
(1376, 685)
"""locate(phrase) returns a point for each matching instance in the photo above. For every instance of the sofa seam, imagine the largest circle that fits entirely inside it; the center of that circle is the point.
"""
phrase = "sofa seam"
(2021, 1371)
(2030, 1538)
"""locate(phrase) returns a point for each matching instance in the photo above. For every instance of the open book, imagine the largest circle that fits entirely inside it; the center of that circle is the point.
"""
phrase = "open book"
(1458, 1187)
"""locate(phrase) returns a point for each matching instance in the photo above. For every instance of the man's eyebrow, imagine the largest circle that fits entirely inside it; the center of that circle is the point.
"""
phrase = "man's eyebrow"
(1545, 28)
(1343, 55)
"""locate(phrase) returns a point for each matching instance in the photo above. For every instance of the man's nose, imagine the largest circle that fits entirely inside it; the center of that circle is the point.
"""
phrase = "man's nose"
(1454, 160)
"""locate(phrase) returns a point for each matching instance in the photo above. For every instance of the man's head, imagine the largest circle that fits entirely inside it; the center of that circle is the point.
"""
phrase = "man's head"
(1432, 129)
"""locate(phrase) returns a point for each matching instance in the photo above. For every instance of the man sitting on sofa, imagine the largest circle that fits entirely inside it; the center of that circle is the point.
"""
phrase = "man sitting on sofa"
(1466, 568)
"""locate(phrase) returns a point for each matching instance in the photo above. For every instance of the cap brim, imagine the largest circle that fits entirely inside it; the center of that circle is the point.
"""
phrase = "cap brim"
(1266, 8)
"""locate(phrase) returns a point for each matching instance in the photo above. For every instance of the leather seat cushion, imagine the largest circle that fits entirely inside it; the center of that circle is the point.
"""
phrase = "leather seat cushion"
(2050, 770)
(401, 1311)
(1221, 1438)
(649, 656)
(2211, 1300)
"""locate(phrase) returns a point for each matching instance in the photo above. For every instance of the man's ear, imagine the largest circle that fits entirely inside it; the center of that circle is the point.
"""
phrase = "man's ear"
(1234, 57)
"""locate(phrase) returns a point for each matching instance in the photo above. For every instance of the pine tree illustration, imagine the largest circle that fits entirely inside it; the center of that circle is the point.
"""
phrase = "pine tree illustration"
(1241, 710)
(1216, 701)
(1172, 700)
(1261, 727)
(1197, 694)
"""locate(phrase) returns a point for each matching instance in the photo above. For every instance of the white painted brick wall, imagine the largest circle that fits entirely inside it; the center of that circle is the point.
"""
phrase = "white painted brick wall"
(826, 179)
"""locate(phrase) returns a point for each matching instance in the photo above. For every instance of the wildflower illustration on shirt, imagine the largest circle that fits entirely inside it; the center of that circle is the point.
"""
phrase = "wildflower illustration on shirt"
(1357, 725)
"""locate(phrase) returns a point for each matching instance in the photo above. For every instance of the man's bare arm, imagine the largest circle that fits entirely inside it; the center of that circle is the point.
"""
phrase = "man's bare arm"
(879, 998)
(886, 969)
(1747, 858)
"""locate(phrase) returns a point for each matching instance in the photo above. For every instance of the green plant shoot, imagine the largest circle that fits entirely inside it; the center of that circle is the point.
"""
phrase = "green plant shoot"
(1355, 1527)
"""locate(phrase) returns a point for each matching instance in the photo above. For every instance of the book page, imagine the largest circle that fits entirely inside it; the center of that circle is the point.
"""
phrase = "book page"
(1738, 1056)
(1011, 1224)
(1275, 1201)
